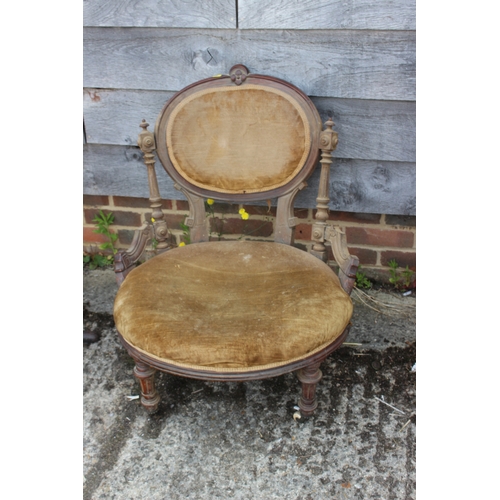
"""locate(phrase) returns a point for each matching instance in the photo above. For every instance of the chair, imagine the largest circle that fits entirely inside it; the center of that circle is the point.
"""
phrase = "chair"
(236, 310)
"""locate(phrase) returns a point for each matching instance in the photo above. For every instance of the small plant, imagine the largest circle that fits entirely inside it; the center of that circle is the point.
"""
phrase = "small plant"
(97, 260)
(186, 235)
(401, 280)
(103, 221)
(393, 271)
(408, 275)
(362, 281)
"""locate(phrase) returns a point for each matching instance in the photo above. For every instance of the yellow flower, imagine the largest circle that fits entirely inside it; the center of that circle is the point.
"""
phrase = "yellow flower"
(244, 216)
(153, 219)
(210, 201)
(182, 244)
(242, 211)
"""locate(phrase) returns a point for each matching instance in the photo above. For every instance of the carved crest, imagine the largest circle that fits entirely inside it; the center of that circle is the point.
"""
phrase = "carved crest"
(238, 74)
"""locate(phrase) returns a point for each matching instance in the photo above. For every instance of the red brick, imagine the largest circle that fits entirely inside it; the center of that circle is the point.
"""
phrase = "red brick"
(182, 205)
(121, 218)
(128, 201)
(402, 258)
(95, 200)
(224, 208)
(366, 256)
(301, 213)
(260, 210)
(90, 237)
(401, 220)
(174, 221)
(252, 228)
(303, 231)
(354, 217)
(379, 237)
(125, 236)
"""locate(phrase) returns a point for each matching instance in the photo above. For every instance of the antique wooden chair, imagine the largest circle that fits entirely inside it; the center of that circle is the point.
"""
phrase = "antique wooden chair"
(236, 310)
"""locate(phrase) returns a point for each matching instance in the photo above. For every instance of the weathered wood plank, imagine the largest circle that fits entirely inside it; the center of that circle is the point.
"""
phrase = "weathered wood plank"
(371, 130)
(355, 185)
(373, 187)
(167, 13)
(327, 14)
(113, 116)
(325, 63)
(120, 171)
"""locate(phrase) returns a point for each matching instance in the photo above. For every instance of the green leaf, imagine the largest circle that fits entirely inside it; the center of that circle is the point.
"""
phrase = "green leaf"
(393, 264)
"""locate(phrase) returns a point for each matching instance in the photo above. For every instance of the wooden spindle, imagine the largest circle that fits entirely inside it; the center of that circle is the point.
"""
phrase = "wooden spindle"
(328, 143)
(146, 142)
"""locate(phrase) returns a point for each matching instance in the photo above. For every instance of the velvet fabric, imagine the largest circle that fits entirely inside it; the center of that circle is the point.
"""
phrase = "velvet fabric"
(238, 139)
(232, 305)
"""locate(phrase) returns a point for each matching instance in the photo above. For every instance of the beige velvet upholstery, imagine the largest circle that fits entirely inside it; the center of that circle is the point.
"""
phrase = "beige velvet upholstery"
(238, 139)
(232, 305)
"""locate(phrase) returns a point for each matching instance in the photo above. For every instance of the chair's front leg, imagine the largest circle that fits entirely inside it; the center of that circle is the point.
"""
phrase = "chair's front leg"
(309, 377)
(149, 397)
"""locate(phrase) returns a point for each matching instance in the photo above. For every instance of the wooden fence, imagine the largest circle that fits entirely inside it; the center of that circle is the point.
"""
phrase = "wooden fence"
(355, 59)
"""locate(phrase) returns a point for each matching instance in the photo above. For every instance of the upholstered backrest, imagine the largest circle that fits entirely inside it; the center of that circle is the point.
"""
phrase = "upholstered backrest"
(239, 137)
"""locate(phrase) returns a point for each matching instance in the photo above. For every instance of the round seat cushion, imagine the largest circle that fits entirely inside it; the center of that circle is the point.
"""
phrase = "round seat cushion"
(232, 305)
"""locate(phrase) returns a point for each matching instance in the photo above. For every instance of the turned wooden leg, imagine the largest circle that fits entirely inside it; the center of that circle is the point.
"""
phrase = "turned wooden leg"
(149, 397)
(309, 377)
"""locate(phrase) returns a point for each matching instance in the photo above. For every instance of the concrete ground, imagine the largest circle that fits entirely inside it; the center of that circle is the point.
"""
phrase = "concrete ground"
(240, 440)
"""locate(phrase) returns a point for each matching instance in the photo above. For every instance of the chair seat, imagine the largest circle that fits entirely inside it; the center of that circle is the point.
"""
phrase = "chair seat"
(231, 305)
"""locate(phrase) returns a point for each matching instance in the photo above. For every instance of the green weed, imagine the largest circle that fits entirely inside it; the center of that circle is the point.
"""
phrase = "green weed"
(401, 280)
(362, 281)
(103, 222)
(97, 260)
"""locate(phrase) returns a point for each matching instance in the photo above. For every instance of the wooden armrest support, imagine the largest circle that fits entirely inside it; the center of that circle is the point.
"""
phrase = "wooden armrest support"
(157, 230)
(348, 264)
(147, 143)
(285, 218)
(125, 260)
(196, 220)
(328, 142)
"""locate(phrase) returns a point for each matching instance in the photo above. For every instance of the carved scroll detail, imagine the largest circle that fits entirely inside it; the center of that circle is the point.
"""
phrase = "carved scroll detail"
(285, 219)
(197, 220)
(125, 260)
(348, 264)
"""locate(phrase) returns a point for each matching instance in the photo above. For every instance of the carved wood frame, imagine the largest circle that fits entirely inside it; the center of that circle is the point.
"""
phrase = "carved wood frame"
(307, 369)
(224, 81)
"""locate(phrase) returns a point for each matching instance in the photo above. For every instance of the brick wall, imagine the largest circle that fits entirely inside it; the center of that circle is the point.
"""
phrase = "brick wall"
(374, 238)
